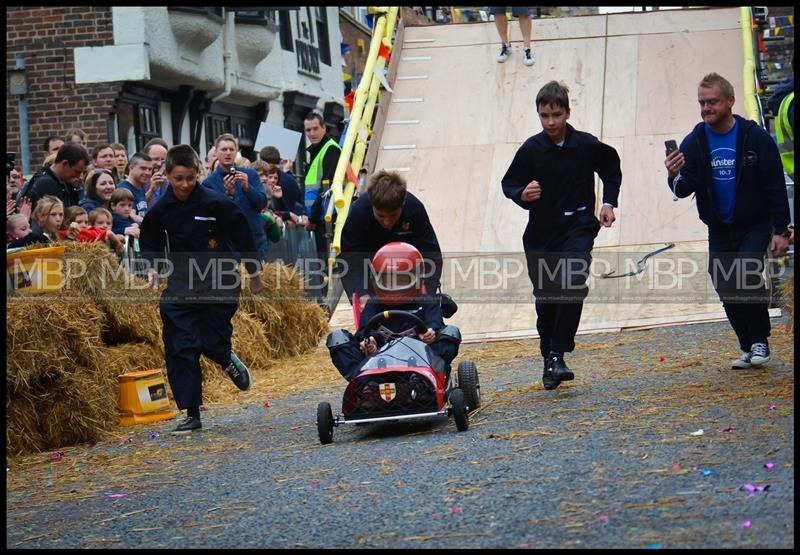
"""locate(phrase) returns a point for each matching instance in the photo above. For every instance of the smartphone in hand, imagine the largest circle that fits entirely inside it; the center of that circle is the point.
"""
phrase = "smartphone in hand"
(670, 145)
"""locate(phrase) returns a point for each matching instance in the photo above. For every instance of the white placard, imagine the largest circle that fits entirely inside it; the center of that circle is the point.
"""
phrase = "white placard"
(285, 140)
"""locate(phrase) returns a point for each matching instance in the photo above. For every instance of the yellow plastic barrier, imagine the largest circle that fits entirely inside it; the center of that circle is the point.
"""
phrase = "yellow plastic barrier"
(36, 270)
(143, 398)
(749, 70)
(361, 117)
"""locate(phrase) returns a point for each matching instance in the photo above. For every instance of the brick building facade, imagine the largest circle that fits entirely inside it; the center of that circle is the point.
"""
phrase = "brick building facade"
(47, 37)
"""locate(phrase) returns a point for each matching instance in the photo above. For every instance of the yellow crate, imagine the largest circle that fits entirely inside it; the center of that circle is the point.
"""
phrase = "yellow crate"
(36, 270)
(143, 398)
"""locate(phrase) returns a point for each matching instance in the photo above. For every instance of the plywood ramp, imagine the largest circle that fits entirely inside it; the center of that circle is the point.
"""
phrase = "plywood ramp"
(456, 118)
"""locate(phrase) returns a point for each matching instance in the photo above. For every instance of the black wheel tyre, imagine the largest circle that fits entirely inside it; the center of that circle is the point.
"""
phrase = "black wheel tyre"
(468, 382)
(459, 410)
(325, 423)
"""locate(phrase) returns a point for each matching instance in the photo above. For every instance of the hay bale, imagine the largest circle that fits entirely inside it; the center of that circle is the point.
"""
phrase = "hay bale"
(45, 334)
(80, 409)
(303, 325)
(131, 357)
(295, 324)
(133, 317)
(22, 423)
(252, 345)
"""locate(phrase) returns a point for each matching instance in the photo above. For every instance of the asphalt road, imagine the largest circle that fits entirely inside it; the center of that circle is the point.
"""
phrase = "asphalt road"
(605, 461)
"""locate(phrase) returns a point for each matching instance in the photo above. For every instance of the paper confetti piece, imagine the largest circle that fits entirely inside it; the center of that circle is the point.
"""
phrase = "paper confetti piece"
(773, 407)
(661, 358)
(728, 430)
(746, 524)
(57, 455)
(769, 465)
(603, 518)
(697, 433)
(706, 472)
(454, 509)
(116, 495)
(654, 546)
(266, 404)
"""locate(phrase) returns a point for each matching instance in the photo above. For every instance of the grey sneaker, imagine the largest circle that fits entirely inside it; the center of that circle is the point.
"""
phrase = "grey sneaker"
(505, 51)
(759, 353)
(742, 362)
(528, 57)
(187, 425)
(238, 372)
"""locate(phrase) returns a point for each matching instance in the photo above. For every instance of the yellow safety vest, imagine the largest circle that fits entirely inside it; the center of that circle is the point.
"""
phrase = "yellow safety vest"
(785, 135)
(313, 178)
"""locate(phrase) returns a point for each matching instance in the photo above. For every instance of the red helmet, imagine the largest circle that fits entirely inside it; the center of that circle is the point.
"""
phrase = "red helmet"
(397, 267)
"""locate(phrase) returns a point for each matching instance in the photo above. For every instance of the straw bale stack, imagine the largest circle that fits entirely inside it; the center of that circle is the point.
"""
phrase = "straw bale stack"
(46, 335)
(66, 350)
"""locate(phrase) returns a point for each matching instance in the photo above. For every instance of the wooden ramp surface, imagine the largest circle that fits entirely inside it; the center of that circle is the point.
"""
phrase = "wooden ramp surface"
(456, 117)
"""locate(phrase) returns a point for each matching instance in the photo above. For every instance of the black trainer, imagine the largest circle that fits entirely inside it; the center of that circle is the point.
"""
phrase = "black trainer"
(238, 372)
(560, 371)
(187, 425)
(549, 380)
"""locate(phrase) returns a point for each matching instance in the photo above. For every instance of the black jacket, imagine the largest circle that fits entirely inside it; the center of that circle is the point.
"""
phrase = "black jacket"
(566, 177)
(362, 236)
(50, 184)
(426, 308)
(760, 185)
(206, 233)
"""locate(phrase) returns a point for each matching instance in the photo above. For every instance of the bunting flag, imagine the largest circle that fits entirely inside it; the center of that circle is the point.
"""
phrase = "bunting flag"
(351, 175)
(346, 76)
(379, 74)
(344, 48)
(348, 100)
(384, 51)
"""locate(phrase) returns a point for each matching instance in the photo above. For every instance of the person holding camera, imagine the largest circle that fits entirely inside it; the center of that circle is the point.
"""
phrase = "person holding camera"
(732, 167)
(242, 186)
(156, 148)
(139, 182)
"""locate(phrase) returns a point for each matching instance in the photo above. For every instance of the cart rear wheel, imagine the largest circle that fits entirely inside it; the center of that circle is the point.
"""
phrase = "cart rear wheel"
(468, 382)
(459, 410)
(325, 423)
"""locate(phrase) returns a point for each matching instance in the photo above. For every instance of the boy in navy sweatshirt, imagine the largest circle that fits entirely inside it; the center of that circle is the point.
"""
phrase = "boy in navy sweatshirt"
(552, 176)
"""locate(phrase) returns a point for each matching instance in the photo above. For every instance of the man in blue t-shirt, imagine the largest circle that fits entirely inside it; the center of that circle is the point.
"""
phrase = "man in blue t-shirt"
(733, 168)
(140, 170)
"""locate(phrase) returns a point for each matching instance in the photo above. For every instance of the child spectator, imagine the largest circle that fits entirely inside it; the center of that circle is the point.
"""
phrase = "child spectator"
(76, 227)
(102, 219)
(47, 216)
(122, 208)
(17, 227)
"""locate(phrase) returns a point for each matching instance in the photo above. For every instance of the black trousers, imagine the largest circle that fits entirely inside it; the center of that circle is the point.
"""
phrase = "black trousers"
(189, 331)
(736, 263)
(558, 267)
(348, 359)
(318, 288)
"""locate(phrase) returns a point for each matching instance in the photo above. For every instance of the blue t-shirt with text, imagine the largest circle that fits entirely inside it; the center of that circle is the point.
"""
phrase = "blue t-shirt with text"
(723, 170)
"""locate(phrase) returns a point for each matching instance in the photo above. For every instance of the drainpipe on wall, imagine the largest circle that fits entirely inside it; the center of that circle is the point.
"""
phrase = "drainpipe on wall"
(23, 124)
(228, 45)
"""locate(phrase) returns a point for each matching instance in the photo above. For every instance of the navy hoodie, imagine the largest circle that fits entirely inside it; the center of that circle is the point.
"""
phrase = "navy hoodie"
(760, 185)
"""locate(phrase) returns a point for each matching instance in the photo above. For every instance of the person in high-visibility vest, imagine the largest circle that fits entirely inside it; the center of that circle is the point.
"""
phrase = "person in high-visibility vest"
(784, 130)
(324, 152)
(781, 103)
